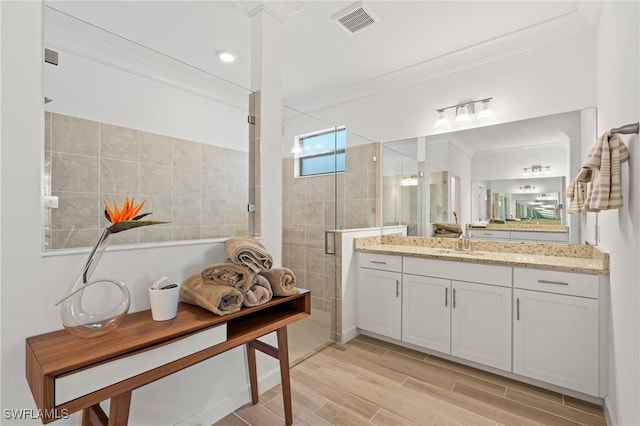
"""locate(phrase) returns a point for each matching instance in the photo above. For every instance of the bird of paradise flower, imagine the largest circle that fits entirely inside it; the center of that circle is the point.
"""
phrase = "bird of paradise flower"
(121, 219)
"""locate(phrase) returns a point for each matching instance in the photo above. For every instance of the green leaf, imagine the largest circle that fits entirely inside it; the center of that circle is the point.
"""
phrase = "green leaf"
(130, 224)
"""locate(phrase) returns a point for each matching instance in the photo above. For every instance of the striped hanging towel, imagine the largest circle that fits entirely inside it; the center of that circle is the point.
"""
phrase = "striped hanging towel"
(606, 184)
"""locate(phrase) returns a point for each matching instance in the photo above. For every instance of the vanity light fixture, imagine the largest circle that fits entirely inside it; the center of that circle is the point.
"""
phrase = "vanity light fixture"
(409, 181)
(226, 56)
(527, 188)
(537, 170)
(441, 120)
(484, 111)
(464, 112)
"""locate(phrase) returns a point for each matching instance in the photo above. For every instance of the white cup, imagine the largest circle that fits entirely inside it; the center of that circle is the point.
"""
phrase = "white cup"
(164, 303)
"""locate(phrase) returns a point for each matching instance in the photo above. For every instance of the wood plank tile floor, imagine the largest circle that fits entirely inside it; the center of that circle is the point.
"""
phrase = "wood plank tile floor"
(370, 382)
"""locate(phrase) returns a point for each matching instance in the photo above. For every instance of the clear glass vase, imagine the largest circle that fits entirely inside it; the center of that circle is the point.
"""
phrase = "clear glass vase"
(75, 318)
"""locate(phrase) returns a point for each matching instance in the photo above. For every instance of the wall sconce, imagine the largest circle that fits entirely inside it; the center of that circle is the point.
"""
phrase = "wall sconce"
(537, 170)
(464, 111)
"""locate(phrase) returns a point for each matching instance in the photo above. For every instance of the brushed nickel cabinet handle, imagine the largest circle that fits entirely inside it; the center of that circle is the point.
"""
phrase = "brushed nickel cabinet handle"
(379, 262)
(552, 282)
(517, 308)
(446, 296)
(397, 288)
(453, 302)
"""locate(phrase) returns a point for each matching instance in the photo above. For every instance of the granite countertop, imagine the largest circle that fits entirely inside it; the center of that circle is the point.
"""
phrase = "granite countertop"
(562, 257)
(521, 226)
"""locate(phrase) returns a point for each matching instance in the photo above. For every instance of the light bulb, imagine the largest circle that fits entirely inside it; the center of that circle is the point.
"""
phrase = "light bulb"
(485, 112)
(462, 114)
(441, 120)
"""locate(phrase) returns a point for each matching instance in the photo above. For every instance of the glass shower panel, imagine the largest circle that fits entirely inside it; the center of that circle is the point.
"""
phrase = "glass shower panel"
(312, 152)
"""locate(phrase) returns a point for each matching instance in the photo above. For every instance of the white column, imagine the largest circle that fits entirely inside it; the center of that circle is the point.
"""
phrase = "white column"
(266, 55)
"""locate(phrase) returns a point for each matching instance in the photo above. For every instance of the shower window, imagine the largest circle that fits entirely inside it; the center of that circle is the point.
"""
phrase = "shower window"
(321, 152)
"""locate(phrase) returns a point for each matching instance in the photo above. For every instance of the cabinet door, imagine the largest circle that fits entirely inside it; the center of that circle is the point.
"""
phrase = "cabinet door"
(555, 339)
(481, 323)
(379, 302)
(426, 312)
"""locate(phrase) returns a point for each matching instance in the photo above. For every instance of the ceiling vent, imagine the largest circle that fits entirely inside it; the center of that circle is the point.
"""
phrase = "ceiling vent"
(355, 17)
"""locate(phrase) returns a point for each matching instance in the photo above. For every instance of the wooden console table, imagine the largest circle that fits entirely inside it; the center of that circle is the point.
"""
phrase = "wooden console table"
(67, 374)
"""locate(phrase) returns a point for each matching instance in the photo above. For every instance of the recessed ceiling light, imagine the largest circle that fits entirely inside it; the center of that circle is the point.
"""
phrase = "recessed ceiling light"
(225, 56)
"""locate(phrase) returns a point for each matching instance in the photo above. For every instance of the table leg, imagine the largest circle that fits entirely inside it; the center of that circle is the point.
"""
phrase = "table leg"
(253, 375)
(92, 416)
(283, 350)
(282, 354)
(119, 409)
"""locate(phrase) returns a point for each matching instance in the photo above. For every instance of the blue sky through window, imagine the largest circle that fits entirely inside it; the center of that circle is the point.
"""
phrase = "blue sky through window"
(323, 153)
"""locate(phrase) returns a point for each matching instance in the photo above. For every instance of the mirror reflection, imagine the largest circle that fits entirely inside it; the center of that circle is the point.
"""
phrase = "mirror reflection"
(513, 174)
(519, 199)
(402, 186)
(123, 120)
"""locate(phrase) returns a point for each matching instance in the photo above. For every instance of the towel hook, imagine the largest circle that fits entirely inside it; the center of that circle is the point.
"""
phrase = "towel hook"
(627, 129)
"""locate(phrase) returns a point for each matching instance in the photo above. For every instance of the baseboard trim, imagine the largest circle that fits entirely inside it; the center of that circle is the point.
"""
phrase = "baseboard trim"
(349, 334)
(211, 414)
(609, 415)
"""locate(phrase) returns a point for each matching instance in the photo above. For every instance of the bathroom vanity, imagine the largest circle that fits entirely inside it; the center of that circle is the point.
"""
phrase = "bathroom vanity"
(516, 231)
(533, 312)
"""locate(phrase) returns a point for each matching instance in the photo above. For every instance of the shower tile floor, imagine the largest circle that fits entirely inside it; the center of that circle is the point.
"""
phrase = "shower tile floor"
(308, 336)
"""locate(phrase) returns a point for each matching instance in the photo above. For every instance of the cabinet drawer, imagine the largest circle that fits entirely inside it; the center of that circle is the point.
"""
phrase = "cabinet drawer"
(383, 262)
(460, 271)
(557, 282)
(91, 379)
(489, 234)
(560, 237)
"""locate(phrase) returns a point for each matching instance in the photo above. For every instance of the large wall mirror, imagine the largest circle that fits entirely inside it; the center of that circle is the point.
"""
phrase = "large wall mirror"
(123, 120)
(402, 186)
(513, 171)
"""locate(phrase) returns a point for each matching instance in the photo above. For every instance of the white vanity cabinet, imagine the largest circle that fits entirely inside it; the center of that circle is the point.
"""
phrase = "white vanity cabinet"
(468, 319)
(488, 234)
(481, 324)
(379, 298)
(556, 328)
(540, 237)
(426, 312)
(546, 326)
(520, 236)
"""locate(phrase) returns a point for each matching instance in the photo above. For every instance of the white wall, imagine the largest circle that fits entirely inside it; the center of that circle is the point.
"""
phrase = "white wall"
(509, 164)
(551, 79)
(618, 94)
(31, 282)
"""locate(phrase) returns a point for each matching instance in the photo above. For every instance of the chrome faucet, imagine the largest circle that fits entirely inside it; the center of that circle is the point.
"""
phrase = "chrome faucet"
(463, 243)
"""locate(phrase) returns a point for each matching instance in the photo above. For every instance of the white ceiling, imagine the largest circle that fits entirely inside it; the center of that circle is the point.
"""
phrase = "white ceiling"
(322, 65)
